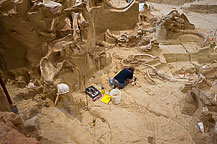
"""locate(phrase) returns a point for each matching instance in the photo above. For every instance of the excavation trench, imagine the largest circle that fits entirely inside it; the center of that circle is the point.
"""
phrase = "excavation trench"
(84, 44)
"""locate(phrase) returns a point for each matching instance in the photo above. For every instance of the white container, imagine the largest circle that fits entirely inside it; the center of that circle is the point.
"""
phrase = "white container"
(116, 96)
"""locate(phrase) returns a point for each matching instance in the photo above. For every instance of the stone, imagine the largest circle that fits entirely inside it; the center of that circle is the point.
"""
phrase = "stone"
(30, 124)
(29, 108)
(12, 120)
(11, 135)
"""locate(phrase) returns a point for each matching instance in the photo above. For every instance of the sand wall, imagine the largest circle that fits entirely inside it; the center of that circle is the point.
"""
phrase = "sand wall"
(173, 2)
(115, 19)
(202, 8)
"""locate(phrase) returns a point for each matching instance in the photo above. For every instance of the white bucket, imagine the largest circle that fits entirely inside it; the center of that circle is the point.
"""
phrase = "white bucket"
(116, 96)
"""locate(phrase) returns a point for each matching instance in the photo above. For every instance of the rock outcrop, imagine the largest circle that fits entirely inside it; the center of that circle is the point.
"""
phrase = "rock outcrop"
(12, 130)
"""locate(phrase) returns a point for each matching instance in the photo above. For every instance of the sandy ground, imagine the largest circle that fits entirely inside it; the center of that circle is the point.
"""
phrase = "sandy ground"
(147, 112)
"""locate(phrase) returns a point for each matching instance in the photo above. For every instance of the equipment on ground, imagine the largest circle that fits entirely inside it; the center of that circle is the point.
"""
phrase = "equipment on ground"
(93, 92)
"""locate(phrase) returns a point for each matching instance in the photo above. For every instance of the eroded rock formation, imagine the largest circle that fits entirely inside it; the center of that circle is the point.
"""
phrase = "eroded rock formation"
(12, 130)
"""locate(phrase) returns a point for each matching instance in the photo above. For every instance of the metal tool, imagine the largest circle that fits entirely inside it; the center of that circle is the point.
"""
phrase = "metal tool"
(13, 107)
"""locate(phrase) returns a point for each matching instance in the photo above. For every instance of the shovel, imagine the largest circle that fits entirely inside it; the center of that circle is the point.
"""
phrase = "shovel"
(12, 105)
